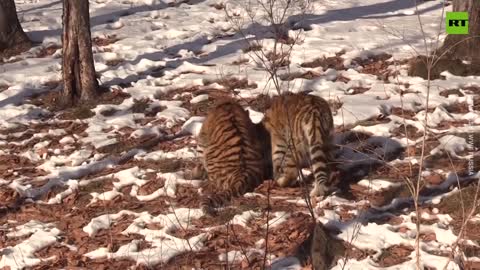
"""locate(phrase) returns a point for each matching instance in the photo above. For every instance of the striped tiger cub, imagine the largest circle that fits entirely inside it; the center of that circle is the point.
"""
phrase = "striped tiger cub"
(233, 153)
(301, 129)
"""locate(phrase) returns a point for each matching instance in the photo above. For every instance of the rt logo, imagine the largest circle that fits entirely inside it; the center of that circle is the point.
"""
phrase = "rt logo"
(457, 23)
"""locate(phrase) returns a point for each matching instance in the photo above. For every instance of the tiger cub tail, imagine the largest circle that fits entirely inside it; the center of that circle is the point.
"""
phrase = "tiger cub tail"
(320, 137)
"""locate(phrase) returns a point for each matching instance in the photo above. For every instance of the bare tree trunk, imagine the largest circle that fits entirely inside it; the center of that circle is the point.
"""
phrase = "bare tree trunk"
(465, 47)
(80, 83)
(12, 37)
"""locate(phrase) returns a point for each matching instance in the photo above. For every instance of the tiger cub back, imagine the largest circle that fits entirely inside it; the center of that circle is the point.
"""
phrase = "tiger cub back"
(301, 129)
(233, 155)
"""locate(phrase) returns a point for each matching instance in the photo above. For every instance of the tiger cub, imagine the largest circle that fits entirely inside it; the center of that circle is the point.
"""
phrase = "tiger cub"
(301, 129)
(233, 153)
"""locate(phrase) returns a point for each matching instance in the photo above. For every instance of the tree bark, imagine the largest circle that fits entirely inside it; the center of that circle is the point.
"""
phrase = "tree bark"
(12, 37)
(465, 47)
(80, 83)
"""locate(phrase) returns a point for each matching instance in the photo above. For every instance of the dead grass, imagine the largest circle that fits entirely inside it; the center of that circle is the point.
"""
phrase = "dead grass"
(165, 165)
(453, 204)
(417, 67)
(341, 78)
(231, 83)
(109, 112)
(409, 132)
(394, 255)
(446, 93)
(303, 75)
(286, 238)
(442, 161)
(252, 47)
(177, 92)
(407, 114)
(218, 6)
(79, 112)
(397, 173)
(453, 124)
(98, 186)
(140, 105)
(15, 50)
(199, 260)
(48, 51)
(50, 101)
(8, 197)
(114, 62)
(151, 187)
(240, 61)
(358, 254)
(3, 87)
(376, 65)
(214, 95)
(124, 143)
(335, 62)
(278, 60)
(12, 165)
(457, 108)
(105, 41)
(472, 90)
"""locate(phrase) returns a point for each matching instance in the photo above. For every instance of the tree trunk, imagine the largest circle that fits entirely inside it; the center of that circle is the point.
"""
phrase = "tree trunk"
(465, 47)
(80, 83)
(12, 38)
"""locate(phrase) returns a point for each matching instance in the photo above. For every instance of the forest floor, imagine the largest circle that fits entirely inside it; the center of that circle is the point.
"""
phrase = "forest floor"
(76, 191)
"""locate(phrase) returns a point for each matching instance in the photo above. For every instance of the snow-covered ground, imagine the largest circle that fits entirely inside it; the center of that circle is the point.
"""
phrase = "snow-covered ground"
(86, 206)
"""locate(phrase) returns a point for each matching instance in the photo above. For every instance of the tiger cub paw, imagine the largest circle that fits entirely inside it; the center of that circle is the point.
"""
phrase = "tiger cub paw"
(207, 208)
(209, 211)
(319, 190)
(283, 181)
